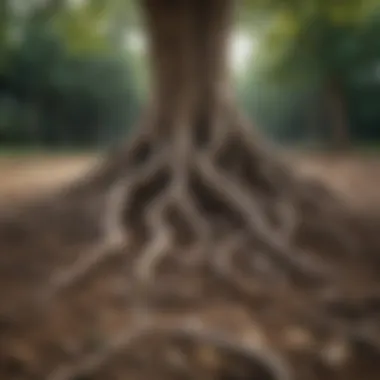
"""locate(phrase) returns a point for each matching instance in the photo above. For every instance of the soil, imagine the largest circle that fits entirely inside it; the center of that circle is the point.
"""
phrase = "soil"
(45, 336)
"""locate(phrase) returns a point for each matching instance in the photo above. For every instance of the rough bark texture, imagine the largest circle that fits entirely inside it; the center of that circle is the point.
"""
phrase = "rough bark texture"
(194, 253)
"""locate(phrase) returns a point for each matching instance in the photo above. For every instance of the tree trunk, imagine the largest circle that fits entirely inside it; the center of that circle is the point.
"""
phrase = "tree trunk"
(188, 45)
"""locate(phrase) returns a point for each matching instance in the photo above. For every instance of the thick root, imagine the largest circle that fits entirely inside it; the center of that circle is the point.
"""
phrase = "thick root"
(190, 228)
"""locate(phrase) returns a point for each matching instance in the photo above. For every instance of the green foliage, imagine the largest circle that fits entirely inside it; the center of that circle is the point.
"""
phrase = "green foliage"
(67, 79)
(309, 30)
(304, 46)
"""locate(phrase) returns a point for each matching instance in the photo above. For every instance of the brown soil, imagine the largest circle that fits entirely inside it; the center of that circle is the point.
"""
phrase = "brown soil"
(86, 332)
(26, 177)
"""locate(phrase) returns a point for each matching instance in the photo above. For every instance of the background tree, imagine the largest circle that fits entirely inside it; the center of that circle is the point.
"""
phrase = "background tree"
(66, 80)
(282, 90)
(318, 45)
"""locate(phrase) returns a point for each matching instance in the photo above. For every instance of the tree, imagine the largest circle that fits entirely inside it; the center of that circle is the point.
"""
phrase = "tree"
(318, 39)
(70, 81)
(217, 234)
(283, 72)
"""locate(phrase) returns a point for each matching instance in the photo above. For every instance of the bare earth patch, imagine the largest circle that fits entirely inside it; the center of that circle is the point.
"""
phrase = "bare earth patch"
(24, 177)
(356, 176)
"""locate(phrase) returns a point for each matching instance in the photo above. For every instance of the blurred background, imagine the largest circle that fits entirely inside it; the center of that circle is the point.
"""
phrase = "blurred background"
(73, 73)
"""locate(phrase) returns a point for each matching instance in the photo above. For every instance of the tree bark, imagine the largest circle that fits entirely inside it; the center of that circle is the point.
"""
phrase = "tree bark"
(188, 45)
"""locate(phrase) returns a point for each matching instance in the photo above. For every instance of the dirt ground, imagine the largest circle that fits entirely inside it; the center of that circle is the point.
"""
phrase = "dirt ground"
(356, 176)
(32, 176)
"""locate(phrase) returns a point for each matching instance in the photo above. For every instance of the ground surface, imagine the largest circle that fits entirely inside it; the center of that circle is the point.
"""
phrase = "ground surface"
(29, 176)
(356, 176)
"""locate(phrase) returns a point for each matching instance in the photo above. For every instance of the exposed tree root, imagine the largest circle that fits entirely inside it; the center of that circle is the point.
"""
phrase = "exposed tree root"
(203, 228)
(254, 350)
